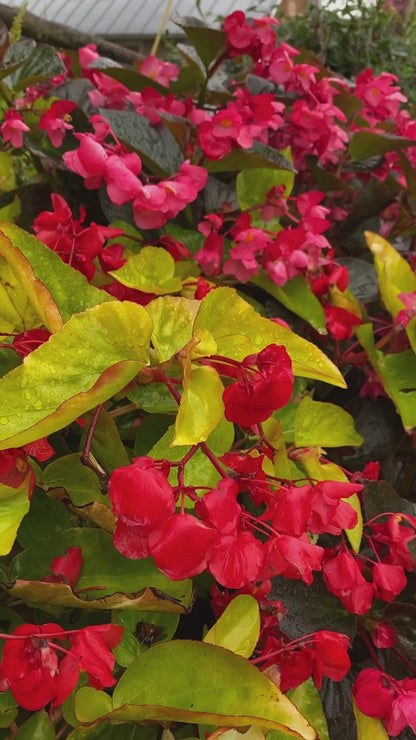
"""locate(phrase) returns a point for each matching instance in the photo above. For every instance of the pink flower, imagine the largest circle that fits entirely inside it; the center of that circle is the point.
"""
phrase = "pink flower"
(13, 127)
(56, 120)
(89, 160)
(162, 72)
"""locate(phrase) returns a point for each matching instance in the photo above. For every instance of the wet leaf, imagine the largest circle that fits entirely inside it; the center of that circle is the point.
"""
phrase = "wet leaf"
(141, 631)
(93, 357)
(297, 296)
(240, 331)
(157, 147)
(151, 271)
(173, 319)
(394, 273)
(201, 407)
(65, 290)
(324, 424)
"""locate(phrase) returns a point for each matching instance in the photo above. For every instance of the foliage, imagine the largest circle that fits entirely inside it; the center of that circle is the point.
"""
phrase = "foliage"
(357, 36)
(207, 373)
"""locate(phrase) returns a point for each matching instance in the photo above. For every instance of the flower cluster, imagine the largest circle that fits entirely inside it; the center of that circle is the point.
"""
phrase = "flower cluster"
(33, 668)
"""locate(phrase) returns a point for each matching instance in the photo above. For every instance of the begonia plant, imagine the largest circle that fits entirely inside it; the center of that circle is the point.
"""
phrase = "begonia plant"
(208, 394)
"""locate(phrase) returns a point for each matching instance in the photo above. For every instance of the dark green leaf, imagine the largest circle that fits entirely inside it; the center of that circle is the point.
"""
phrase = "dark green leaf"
(208, 42)
(157, 147)
(258, 156)
(310, 608)
(37, 727)
(45, 517)
(365, 144)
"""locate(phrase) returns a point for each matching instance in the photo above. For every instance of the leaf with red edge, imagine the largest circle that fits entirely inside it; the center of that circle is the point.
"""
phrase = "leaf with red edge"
(166, 684)
(95, 355)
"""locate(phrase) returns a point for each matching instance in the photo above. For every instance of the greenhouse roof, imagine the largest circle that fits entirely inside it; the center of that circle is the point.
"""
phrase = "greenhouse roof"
(134, 17)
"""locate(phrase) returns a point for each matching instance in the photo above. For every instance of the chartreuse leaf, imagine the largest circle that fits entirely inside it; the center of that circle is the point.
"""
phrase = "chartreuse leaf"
(91, 704)
(90, 359)
(7, 173)
(201, 407)
(151, 271)
(8, 709)
(310, 460)
(368, 727)
(297, 296)
(37, 727)
(397, 373)
(306, 698)
(107, 579)
(172, 318)
(66, 291)
(14, 504)
(238, 627)
(25, 303)
(324, 424)
(240, 331)
(166, 683)
(394, 273)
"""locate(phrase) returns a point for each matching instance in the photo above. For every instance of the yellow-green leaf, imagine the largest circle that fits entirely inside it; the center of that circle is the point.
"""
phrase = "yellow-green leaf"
(90, 359)
(239, 331)
(238, 627)
(14, 504)
(69, 289)
(397, 372)
(166, 683)
(368, 728)
(201, 407)
(151, 271)
(325, 425)
(25, 303)
(173, 318)
(394, 273)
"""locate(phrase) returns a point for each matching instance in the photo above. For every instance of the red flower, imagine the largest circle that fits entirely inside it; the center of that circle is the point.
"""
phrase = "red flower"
(330, 656)
(30, 666)
(389, 580)
(180, 545)
(141, 494)
(343, 578)
(77, 245)
(340, 322)
(67, 567)
(260, 392)
(56, 120)
(236, 560)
